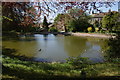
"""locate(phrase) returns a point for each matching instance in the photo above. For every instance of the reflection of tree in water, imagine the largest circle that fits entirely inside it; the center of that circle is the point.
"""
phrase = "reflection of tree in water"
(45, 37)
(75, 45)
(24, 48)
(102, 42)
(96, 40)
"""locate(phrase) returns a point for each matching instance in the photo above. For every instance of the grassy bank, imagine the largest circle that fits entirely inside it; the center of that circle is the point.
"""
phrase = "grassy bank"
(15, 69)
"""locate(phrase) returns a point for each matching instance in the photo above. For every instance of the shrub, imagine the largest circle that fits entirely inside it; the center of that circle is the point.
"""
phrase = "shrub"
(53, 29)
(89, 29)
(78, 62)
(114, 47)
(96, 29)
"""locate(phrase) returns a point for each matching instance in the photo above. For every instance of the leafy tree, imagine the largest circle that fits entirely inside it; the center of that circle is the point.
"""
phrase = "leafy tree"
(9, 21)
(62, 20)
(110, 21)
(79, 25)
(76, 12)
(18, 16)
(79, 20)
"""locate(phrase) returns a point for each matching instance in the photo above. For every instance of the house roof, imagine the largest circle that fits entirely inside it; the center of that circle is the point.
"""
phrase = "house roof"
(100, 15)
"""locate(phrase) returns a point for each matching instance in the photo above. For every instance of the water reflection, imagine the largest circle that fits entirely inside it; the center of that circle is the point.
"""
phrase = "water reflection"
(45, 37)
(24, 48)
(57, 48)
(74, 46)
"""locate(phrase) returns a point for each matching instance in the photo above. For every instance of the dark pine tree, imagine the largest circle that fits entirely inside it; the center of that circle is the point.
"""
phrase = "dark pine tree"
(45, 24)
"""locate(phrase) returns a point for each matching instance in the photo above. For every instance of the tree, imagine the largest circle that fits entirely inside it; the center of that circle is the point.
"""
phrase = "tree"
(45, 24)
(9, 17)
(79, 20)
(76, 12)
(110, 21)
(18, 16)
(61, 22)
(79, 25)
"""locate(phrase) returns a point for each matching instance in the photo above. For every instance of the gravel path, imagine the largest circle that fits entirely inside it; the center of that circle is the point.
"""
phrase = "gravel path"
(93, 35)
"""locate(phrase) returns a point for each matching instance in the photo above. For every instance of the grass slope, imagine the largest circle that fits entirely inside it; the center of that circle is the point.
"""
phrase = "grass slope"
(15, 69)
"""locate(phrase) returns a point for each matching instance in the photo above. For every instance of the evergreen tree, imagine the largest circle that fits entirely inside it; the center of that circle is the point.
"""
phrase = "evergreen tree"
(45, 24)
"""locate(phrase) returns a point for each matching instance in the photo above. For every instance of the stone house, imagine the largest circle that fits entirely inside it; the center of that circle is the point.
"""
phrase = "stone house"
(97, 17)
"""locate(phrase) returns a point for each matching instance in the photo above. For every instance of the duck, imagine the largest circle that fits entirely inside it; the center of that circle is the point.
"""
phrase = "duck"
(39, 50)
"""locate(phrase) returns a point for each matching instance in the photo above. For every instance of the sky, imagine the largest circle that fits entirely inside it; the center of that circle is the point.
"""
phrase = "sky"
(103, 9)
(113, 8)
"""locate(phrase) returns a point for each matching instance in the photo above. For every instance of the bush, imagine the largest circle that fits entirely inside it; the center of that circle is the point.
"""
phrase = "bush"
(89, 29)
(10, 33)
(96, 29)
(113, 49)
(53, 29)
(78, 62)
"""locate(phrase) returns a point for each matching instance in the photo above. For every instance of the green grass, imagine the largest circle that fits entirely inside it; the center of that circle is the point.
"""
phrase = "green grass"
(15, 69)
(29, 69)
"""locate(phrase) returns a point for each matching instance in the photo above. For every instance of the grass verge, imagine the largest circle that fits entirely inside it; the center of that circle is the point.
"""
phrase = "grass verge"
(15, 69)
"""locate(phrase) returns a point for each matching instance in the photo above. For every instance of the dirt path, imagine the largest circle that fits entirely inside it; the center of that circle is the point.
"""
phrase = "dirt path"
(93, 35)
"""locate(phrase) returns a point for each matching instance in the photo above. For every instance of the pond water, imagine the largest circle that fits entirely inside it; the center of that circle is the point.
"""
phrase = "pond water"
(57, 48)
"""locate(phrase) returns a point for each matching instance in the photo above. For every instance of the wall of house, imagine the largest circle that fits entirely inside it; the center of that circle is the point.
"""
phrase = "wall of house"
(96, 19)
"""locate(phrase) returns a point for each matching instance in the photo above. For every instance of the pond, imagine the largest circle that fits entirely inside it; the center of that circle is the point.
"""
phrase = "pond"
(50, 48)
